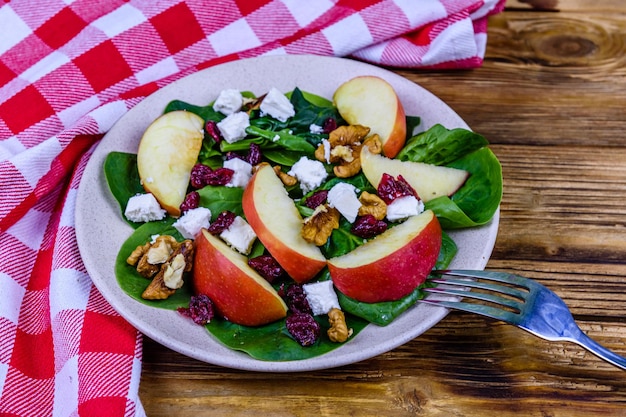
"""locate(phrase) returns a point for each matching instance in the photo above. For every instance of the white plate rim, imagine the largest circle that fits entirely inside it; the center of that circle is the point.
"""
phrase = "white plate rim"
(100, 230)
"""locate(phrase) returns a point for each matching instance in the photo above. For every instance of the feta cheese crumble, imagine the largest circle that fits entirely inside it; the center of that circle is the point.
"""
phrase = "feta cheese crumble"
(242, 172)
(277, 105)
(233, 127)
(315, 129)
(239, 235)
(190, 224)
(228, 102)
(309, 172)
(404, 207)
(327, 149)
(343, 197)
(321, 297)
(143, 208)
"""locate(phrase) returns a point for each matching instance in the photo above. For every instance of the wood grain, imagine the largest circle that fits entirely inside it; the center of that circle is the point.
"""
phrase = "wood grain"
(551, 99)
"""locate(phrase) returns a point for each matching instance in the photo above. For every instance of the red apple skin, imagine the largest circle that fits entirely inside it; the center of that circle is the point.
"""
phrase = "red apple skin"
(300, 266)
(395, 275)
(371, 101)
(397, 138)
(240, 295)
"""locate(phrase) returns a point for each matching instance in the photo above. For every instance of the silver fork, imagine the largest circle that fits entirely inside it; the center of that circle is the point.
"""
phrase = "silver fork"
(520, 301)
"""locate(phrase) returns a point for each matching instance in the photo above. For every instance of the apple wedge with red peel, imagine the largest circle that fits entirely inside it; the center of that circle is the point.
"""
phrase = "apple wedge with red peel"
(391, 265)
(239, 293)
(429, 181)
(167, 152)
(371, 101)
(273, 216)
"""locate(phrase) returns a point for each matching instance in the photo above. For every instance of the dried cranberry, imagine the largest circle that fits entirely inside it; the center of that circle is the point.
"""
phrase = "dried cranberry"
(200, 309)
(213, 131)
(220, 176)
(232, 155)
(253, 157)
(303, 328)
(192, 201)
(316, 199)
(222, 222)
(296, 299)
(329, 125)
(267, 267)
(391, 188)
(254, 154)
(199, 173)
(367, 226)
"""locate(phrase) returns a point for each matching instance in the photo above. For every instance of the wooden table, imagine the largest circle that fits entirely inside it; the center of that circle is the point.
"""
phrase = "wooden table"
(551, 99)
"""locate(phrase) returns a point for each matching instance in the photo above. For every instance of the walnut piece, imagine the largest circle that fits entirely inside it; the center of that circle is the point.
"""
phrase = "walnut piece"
(145, 268)
(338, 331)
(139, 260)
(288, 180)
(161, 249)
(318, 227)
(136, 255)
(348, 169)
(251, 104)
(372, 204)
(166, 276)
(342, 152)
(374, 144)
(170, 276)
(157, 290)
(173, 275)
(148, 258)
(345, 144)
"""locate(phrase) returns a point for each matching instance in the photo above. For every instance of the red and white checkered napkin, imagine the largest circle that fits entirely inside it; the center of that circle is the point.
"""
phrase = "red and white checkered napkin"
(68, 71)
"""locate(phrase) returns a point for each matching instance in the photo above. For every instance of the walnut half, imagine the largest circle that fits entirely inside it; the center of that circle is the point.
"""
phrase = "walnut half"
(318, 227)
(170, 275)
(372, 204)
(345, 146)
(338, 331)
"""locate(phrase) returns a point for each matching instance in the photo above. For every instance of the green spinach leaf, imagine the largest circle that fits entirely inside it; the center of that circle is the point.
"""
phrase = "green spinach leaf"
(477, 201)
(273, 342)
(441, 146)
(122, 177)
(218, 198)
(206, 112)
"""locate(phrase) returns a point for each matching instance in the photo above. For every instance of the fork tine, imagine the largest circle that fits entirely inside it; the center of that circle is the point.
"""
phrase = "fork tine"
(502, 289)
(488, 275)
(492, 298)
(483, 310)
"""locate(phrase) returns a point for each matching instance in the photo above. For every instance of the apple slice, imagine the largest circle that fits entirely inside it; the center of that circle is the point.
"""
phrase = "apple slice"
(278, 224)
(393, 264)
(239, 293)
(167, 152)
(371, 101)
(429, 181)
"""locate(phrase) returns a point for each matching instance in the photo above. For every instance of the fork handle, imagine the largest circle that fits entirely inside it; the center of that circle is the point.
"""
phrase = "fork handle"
(597, 349)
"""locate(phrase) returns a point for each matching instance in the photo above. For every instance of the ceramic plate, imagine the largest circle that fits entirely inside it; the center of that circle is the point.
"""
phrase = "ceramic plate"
(101, 230)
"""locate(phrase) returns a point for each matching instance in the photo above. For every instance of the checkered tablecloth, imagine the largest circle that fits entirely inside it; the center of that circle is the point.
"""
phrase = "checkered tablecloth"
(68, 70)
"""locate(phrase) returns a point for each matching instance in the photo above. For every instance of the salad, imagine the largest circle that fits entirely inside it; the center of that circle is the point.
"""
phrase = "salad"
(271, 142)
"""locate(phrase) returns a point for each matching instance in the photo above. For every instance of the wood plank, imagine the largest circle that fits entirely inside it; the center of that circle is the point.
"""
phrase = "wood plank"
(565, 203)
(502, 369)
(567, 5)
(563, 222)
(543, 75)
